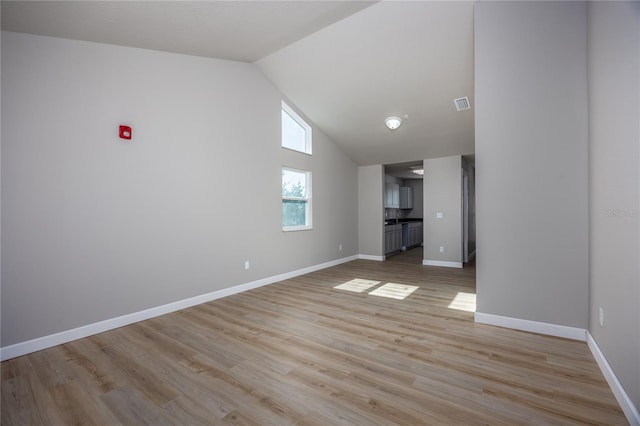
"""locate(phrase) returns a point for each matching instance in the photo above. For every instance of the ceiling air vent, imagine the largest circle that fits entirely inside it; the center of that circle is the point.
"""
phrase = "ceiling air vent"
(462, 103)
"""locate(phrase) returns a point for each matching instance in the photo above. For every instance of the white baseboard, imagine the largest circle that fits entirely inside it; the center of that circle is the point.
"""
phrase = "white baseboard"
(427, 262)
(370, 257)
(532, 326)
(630, 410)
(66, 336)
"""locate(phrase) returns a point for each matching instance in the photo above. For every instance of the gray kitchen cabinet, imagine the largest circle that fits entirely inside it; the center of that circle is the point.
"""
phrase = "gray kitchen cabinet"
(414, 234)
(406, 197)
(392, 238)
(411, 234)
(392, 196)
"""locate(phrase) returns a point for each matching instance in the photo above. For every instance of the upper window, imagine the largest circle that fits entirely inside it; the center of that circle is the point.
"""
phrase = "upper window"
(296, 133)
(296, 199)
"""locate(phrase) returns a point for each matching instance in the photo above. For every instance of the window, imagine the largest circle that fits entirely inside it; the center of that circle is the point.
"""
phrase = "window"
(296, 199)
(296, 133)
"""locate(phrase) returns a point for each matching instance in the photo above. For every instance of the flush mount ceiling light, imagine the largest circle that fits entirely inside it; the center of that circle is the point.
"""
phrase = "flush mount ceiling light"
(393, 122)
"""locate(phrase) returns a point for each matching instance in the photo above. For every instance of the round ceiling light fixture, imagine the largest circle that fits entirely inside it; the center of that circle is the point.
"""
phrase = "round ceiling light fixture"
(393, 122)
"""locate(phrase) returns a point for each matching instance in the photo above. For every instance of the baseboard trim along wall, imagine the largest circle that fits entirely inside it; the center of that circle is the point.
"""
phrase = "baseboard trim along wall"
(370, 257)
(532, 326)
(630, 411)
(427, 262)
(66, 336)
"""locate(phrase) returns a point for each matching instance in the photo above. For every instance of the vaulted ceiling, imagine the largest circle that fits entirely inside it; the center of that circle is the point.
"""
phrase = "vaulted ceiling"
(346, 65)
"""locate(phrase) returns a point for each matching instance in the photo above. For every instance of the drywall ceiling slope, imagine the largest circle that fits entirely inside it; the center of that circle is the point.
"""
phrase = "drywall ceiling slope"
(392, 58)
(234, 30)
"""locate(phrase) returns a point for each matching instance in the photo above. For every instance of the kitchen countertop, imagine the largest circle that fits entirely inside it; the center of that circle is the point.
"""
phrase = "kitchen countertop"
(400, 221)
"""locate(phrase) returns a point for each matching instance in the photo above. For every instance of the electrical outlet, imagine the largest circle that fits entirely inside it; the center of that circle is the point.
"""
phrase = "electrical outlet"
(441, 249)
(340, 247)
(246, 264)
(601, 316)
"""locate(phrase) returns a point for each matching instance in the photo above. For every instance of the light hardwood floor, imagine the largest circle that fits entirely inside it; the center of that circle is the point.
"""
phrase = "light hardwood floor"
(302, 352)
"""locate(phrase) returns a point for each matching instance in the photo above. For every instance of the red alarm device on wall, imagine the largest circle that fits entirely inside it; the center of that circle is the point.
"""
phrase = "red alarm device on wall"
(125, 132)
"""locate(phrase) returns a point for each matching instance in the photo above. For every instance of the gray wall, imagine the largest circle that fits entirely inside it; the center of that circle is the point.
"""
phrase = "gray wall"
(614, 135)
(0, 199)
(94, 228)
(371, 181)
(531, 161)
(442, 186)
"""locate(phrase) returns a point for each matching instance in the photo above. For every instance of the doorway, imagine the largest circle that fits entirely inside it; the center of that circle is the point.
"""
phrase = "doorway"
(403, 212)
(468, 209)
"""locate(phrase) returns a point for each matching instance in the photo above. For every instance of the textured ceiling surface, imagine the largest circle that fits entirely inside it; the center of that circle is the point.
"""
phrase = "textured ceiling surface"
(345, 65)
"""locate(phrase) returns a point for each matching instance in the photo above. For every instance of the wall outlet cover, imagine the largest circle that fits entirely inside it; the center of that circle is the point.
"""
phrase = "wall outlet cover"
(601, 316)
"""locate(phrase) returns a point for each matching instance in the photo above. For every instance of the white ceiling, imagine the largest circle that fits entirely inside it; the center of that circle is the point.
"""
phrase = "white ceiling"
(393, 58)
(235, 30)
(345, 65)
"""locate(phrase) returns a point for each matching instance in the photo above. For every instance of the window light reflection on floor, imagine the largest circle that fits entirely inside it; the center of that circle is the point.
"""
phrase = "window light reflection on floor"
(389, 290)
(394, 291)
(464, 302)
(357, 285)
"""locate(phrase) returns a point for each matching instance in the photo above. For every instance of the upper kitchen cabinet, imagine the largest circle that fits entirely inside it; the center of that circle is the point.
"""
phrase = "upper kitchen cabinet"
(392, 196)
(403, 188)
(406, 197)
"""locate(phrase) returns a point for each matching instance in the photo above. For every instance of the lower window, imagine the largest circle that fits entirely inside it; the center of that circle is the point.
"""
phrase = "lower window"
(296, 199)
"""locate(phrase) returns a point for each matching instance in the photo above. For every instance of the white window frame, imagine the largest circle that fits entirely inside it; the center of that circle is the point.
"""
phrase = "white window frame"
(307, 199)
(286, 109)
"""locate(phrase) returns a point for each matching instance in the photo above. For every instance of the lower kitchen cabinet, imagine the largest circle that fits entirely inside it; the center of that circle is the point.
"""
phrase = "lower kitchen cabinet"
(392, 238)
(414, 234)
(411, 234)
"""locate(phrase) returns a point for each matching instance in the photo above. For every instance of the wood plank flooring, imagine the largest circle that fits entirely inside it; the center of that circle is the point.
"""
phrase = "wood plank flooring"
(302, 352)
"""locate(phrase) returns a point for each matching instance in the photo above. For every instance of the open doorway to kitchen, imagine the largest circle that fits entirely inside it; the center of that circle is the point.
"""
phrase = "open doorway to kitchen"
(403, 212)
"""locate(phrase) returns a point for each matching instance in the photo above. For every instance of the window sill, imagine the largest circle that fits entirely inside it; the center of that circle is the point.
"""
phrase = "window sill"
(309, 153)
(296, 228)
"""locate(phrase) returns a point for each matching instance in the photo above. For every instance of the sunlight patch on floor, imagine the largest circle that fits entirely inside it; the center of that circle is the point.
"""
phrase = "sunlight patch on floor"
(394, 291)
(464, 302)
(357, 285)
